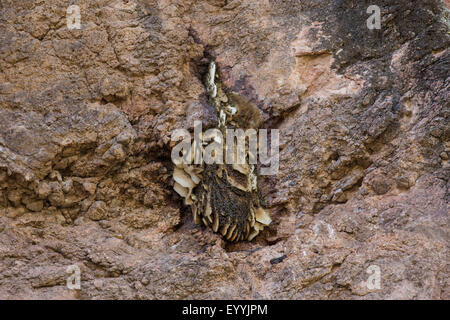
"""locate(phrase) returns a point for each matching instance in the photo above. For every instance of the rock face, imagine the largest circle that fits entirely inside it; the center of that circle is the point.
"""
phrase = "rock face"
(359, 205)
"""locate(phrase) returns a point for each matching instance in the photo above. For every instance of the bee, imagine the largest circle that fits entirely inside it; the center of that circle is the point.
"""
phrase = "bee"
(223, 196)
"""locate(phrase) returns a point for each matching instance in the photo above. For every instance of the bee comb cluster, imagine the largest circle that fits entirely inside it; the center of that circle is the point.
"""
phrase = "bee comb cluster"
(223, 197)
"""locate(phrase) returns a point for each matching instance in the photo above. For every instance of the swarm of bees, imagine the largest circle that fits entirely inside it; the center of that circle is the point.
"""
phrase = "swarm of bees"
(224, 196)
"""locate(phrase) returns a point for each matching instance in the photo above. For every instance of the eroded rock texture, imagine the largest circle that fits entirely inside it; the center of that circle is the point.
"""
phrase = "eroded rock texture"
(86, 117)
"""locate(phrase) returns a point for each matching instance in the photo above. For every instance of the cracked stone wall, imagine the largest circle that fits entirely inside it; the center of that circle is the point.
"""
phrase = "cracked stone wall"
(86, 117)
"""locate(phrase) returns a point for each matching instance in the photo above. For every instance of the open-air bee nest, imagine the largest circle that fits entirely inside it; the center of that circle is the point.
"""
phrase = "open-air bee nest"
(224, 197)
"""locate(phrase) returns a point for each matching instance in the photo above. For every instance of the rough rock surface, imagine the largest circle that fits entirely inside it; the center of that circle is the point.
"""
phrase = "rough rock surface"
(86, 117)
